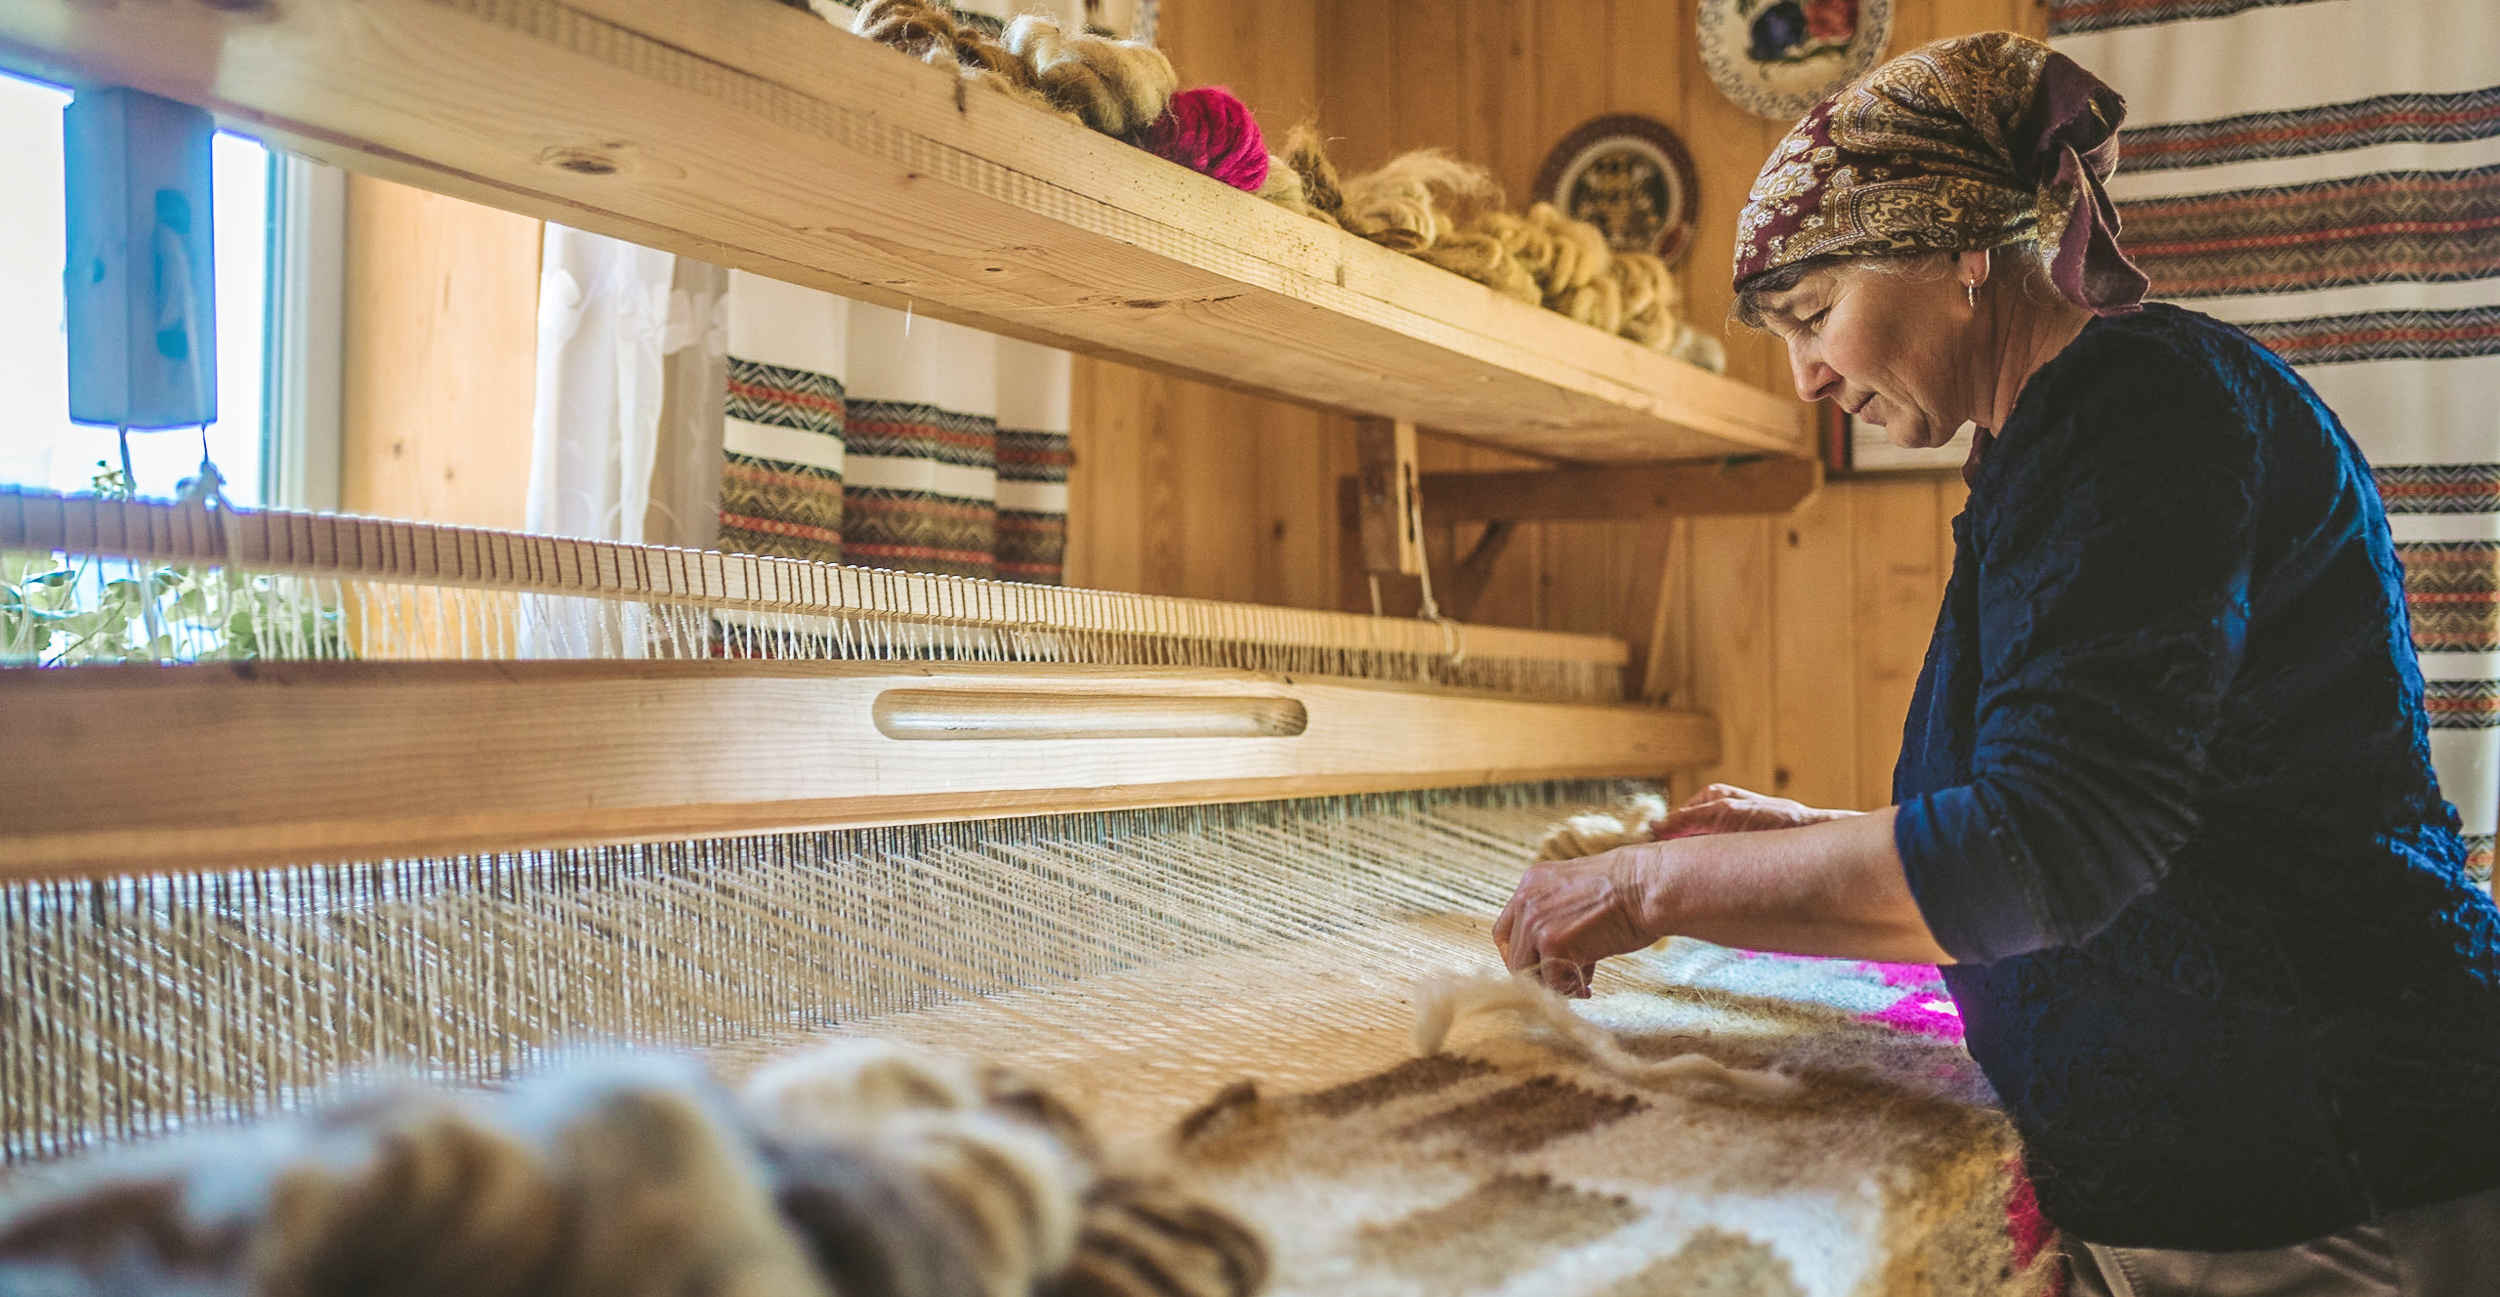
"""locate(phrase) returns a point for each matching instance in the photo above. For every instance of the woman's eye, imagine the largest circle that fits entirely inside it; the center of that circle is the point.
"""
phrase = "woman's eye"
(1817, 318)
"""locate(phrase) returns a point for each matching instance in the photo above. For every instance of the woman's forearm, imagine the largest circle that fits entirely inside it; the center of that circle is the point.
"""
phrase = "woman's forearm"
(1835, 888)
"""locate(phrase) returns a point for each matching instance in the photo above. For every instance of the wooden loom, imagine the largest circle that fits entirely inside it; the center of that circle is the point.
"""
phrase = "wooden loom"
(566, 788)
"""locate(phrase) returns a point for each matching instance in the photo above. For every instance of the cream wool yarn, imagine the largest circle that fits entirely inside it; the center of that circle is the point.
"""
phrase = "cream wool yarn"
(1410, 202)
(929, 33)
(1114, 86)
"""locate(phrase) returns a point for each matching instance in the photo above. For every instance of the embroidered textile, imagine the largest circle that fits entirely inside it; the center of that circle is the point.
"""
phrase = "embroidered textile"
(2345, 211)
(857, 434)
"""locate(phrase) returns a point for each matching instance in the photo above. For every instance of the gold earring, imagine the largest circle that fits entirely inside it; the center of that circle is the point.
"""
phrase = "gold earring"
(1971, 291)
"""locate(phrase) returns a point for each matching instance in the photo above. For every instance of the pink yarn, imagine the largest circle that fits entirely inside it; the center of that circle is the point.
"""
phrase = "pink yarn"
(1210, 131)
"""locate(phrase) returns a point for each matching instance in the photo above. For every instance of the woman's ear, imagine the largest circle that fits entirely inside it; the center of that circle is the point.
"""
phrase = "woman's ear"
(1971, 268)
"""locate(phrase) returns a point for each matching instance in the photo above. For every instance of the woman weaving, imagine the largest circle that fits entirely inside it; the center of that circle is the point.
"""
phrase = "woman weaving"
(2164, 807)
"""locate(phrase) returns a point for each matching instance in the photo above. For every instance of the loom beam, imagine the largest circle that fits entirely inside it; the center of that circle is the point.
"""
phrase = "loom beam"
(292, 763)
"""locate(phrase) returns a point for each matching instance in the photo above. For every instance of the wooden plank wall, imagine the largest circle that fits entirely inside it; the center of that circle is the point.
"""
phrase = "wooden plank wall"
(439, 346)
(1804, 633)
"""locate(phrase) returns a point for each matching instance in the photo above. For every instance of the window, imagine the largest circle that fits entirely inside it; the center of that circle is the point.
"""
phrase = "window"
(277, 249)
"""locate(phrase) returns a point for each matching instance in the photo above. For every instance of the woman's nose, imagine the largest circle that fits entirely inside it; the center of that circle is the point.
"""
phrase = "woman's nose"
(1815, 380)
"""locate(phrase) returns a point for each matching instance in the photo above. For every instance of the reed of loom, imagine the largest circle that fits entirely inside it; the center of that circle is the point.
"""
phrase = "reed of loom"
(548, 791)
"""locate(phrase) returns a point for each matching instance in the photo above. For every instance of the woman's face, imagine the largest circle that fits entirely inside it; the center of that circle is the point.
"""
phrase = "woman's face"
(1888, 348)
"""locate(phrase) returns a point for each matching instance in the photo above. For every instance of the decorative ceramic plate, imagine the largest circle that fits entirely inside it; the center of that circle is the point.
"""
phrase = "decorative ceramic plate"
(1629, 176)
(1778, 58)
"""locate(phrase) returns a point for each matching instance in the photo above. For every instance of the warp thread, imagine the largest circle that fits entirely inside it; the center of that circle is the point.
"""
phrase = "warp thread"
(865, 1166)
(1440, 1002)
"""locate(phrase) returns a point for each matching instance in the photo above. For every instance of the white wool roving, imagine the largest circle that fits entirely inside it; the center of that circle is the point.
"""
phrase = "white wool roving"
(1632, 820)
(1441, 1001)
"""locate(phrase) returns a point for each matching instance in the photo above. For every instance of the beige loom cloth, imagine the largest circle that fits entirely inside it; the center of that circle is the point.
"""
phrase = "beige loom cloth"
(1508, 1166)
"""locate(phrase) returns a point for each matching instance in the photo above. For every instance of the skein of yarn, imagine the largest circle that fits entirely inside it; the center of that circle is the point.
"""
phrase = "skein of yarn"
(1210, 131)
(1423, 203)
(1409, 202)
(1480, 256)
(929, 33)
(1116, 87)
(1306, 155)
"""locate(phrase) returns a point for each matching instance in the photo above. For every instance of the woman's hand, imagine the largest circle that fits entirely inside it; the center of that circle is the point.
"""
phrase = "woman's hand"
(1568, 914)
(1725, 808)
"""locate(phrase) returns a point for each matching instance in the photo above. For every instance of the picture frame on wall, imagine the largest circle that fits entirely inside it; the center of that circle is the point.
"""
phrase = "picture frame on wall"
(1852, 448)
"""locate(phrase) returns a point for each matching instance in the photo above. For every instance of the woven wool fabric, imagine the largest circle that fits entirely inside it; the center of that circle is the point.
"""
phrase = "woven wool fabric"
(2326, 175)
(1508, 1165)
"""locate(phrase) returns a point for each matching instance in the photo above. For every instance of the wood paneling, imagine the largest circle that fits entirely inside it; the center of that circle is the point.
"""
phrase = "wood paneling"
(441, 311)
(1803, 634)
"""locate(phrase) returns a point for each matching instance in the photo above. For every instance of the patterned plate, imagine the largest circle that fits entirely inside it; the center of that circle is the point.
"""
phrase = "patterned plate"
(1629, 176)
(1777, 58)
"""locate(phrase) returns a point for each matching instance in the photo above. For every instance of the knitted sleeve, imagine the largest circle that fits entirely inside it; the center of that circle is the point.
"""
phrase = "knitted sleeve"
(2115, 524)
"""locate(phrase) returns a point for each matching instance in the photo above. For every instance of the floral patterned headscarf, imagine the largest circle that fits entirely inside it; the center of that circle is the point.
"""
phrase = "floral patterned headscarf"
(1956, 146)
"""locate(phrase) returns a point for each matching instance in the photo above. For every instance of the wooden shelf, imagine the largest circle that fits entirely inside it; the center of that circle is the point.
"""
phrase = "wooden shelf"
(758, 136)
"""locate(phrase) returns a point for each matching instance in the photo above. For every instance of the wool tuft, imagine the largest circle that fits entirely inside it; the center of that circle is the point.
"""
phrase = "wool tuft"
(929, 33)
(1635, 819)
(1442, 1001)
(864, 1166)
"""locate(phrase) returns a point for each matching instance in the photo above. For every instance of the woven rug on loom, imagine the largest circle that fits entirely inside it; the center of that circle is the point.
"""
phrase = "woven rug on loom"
(1507, 1164)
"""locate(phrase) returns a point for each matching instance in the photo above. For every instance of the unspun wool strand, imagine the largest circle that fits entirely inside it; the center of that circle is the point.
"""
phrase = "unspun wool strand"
(1440, 1002)
(1633, 819)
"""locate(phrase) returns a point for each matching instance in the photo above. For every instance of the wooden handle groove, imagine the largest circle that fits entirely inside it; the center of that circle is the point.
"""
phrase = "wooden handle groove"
(957, 714)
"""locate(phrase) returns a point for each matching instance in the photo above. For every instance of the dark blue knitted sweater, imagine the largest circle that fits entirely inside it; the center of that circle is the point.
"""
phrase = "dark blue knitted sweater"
(2166, 791)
